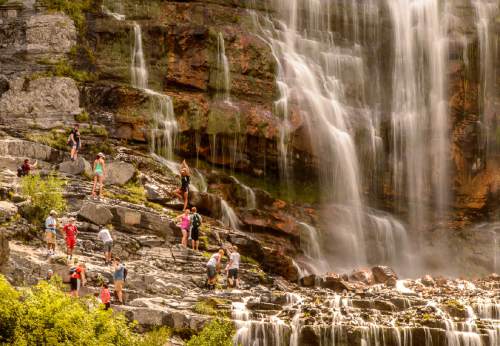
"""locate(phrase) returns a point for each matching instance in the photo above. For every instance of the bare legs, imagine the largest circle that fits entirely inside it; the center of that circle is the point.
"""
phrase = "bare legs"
(194, 244)
(184, 241)
(74, 153)
(98, 179)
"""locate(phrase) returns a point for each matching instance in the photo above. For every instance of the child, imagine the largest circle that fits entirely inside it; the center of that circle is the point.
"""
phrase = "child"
(105, 296)
(185, 225)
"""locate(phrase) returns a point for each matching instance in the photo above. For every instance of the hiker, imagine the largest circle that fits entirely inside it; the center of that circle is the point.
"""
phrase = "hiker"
(105, 236)
(26, 167)
(50, 232)
(183, 191)
(50, 274)
(185, 225)
(195, 228)
(213, 265)
(76, 279)
(119, 276)
(105, 296)
(74, 142)
(233, 267)
(70, 231)
(99, 174)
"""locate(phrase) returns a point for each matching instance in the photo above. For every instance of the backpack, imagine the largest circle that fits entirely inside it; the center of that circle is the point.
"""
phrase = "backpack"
(125, 273)
(196, 221)
(72, 270)
(20, 172)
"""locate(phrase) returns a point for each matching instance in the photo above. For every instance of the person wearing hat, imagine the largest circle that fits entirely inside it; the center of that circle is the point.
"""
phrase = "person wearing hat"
(99, 174)
(70, 231)
(50, 232)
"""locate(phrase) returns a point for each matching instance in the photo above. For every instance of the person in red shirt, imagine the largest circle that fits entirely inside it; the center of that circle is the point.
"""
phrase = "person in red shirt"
(70, 232)
(76, 279)
(105, 296)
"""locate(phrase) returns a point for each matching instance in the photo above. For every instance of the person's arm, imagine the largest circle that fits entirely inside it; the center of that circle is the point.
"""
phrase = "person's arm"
(103, 168)
(185, 165)
(72, 137)
(84, 280)
(95, 164)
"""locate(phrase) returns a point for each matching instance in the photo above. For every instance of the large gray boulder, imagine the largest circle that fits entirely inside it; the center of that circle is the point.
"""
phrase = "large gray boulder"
(96, 213)
(119, 173)
(4, 250)
(7, 211)
(26, 149)
(80, 166)
(51, 35)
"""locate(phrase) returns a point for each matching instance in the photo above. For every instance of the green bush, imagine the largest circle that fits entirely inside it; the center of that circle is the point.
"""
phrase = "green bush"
(158, 336)
(9, 308)
(45, 194)
(75, 9)
(217, 332)
(64, 69)
(83, 117)
(56, 139)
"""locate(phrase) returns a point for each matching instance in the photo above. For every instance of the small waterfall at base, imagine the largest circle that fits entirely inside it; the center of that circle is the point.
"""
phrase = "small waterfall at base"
(229, 217)
(251, 200)
(164, 126)
(222, 79)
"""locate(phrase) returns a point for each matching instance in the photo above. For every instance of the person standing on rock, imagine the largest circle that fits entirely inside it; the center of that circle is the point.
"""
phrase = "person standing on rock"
(99, 174)
(70, 231)
(118, 278)
(233, 267)
(213, 265)
(105, 296)
(105, 236)
(183, 191)
(74, 142)
(195, 228)
(50, 232)
(185, 225)
(76, 279)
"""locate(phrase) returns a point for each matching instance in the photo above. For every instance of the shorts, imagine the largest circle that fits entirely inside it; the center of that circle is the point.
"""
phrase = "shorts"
(99, 174)
(108, 245)
(73, 284)
(50, 237)
(211, 272)
(118, 285)
(107, 306)
(75, 145)
(70, 243)
(195, 234)
(233, 273)
(184, 188)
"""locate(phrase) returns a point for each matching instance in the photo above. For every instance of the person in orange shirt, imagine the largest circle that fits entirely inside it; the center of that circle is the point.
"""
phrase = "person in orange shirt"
(105, 296)
(70, 231)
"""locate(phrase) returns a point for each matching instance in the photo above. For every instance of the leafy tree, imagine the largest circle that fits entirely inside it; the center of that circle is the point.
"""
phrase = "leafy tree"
(9, 307)
(216, 333)
(45, 194)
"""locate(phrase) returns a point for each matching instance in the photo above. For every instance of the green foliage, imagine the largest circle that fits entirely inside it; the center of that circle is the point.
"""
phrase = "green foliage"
(210, 306)
(135, 193)
(55, 139)
(45, 194)
(64, 69)
(249, 260)
(45, 315)
(73, 8)
(203, 242)
(217, 332)
(3, 2)
(154, 206)
(83, 117)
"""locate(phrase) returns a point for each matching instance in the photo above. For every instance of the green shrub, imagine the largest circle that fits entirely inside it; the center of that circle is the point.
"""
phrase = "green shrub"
(83, 117)
(9, 308)
(217, 332)
(64, 69)
(75, 9)
(158, 336)
(55, 139)
(45, 194)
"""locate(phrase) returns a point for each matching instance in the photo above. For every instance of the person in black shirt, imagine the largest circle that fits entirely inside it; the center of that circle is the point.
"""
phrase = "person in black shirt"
(183, 191)
(74, 142)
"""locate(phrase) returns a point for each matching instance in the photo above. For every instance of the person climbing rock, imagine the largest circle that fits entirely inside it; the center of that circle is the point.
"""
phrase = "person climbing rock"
(99, 174)
(50, 274)
(74, 141)
(105, 236)
(70, 232)
(105, 296)
(26, 168)
(76, 279)
(233, 267)
(196, 221)
(50, 232)
(185, 225)
(183, 191)
(213, 266)
(119, 276)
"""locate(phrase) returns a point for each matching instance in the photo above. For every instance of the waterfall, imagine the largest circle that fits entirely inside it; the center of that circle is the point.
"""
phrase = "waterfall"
(164, 126)
(222, 82)
(419, 119)
(251, 200)
(229, 217)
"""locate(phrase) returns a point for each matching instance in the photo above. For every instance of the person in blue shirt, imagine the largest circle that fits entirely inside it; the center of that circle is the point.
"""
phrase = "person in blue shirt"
(118, 278)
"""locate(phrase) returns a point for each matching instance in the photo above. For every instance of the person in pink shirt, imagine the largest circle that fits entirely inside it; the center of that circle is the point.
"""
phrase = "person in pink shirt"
(105, 296)
(185, 223)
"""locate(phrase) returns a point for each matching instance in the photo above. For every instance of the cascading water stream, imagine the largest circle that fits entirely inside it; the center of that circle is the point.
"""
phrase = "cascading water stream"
(223, 81)
(164, 126)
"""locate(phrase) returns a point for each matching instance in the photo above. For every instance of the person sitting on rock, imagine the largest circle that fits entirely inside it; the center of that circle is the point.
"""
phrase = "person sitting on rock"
(196, 221)
(119, 275)
(76, 279)
(233, 267)
(74, 141)
(213, 266)
(105, 296)
(185, 225)
(50, 232)
(183, 191)
(105, 236)
(99, 174)
(70, 231)
(26, 167)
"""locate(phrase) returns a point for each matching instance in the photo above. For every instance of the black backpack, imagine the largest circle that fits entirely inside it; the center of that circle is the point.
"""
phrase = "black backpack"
(196, 221)
(125, 273)
(20, 172)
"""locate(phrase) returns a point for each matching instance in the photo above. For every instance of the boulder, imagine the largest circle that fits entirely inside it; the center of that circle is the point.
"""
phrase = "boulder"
(7, 211)
(334, 282)
(4, 250)
(26, 149)
(96, 213)
(119, 173)
(80, 166)
(428, 281)
(362, 275)
(206, 203)
(382, 274)
(308, 281)
(275, 261)
(51, 35)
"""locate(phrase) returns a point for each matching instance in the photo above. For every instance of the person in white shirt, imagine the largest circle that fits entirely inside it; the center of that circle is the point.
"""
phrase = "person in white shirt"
(233, 267)
(213, 265)
(105, 236)
(50, 232)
